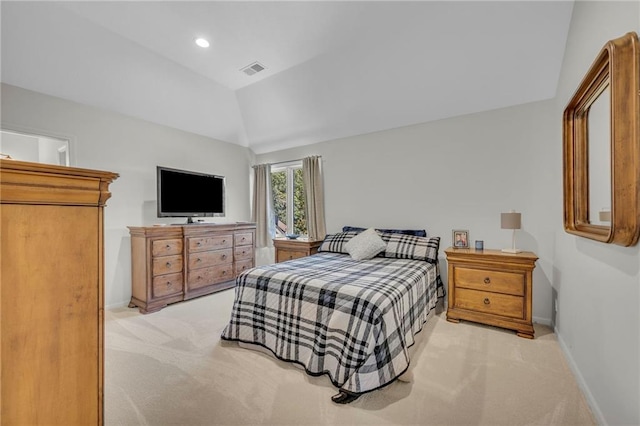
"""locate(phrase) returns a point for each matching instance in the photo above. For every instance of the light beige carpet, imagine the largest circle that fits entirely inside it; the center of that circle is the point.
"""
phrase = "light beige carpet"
(171, 368)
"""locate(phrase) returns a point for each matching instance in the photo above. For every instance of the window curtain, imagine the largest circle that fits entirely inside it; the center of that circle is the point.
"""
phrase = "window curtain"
(262, 213)
(314, 194)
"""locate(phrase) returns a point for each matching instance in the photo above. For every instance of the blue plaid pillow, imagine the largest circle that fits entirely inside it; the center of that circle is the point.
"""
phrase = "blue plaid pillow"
(335, 243)
(416, 232)
(411, 247)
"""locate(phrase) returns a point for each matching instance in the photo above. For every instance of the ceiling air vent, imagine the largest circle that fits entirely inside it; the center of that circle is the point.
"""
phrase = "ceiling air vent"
(254, 68)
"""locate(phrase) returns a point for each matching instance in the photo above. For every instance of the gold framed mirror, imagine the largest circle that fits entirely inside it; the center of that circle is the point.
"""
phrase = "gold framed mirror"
(613, 81)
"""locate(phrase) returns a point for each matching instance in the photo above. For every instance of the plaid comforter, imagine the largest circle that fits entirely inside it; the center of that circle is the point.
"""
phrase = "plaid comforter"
(352, 320)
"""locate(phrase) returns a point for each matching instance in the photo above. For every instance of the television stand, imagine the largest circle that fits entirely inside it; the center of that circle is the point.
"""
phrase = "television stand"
(170, 264)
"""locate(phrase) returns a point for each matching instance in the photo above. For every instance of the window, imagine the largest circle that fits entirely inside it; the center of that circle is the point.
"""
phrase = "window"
(288, 199)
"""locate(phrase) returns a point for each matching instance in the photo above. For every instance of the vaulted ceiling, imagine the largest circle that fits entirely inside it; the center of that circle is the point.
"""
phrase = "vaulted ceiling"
(333, 69)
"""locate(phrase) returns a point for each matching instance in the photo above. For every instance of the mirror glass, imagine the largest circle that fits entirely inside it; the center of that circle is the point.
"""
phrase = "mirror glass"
(599, 149)
(35, 148)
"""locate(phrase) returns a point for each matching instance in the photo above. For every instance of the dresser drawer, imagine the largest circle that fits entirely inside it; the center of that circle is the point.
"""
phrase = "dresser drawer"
(210, 258)
(210, 243)
(491, 303)
(167, 264)
(243, 253)
(166, 285)
(244, 239)
(166, 247)
(490, 280)
(207, 276)
(243, 265)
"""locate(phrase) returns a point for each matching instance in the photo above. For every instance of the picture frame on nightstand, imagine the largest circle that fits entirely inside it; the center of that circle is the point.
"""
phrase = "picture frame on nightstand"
(460, 238)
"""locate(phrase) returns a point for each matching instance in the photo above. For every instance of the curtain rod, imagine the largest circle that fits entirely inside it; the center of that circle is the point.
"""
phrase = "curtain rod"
(291, 161)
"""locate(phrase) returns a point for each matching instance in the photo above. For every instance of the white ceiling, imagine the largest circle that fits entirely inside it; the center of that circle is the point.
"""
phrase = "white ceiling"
(334, 69)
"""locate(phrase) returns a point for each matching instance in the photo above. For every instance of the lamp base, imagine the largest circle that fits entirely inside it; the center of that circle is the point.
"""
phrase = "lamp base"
(510, 250)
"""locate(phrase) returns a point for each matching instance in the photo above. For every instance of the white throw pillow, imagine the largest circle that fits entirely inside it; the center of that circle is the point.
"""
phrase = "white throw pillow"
(365, 245)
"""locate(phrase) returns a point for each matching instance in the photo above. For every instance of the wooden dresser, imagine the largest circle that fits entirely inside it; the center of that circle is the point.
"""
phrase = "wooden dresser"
(179, 262)
(51, 293)
(491, 287)
(288, 249)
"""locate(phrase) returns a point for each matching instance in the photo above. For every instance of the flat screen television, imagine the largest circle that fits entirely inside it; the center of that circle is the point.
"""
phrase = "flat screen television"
(183, 193)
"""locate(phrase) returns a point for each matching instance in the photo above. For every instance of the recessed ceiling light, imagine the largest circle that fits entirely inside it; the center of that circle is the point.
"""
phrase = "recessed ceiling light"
(202, 42)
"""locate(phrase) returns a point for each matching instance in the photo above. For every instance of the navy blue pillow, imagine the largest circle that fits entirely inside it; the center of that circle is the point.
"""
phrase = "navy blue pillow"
(414, 232)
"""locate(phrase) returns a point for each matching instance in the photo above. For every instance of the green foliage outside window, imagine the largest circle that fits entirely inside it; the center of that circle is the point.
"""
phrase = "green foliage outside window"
(299, 204)
(279, 190)
(279, 187)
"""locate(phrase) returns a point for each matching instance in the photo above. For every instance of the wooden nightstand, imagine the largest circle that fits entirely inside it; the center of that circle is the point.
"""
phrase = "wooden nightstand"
(491, 287)
(287, 249)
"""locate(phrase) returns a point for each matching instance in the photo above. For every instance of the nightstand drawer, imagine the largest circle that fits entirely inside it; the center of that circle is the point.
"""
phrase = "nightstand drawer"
(284, 255)
(491, 303)
(488, 280)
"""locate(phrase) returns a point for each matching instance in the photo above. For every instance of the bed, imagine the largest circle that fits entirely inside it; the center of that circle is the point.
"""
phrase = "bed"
(339, 313)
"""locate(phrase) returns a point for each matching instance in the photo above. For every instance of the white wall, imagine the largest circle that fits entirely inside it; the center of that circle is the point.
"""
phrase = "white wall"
(462, 172)
(598, 285)
(133, 148)
(459, 173)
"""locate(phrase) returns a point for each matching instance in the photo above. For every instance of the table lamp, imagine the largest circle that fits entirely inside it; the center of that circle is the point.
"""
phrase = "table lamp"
(511, 220)
(604, 215)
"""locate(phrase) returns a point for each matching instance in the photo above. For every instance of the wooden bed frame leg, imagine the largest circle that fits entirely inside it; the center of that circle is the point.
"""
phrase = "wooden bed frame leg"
(344, 397)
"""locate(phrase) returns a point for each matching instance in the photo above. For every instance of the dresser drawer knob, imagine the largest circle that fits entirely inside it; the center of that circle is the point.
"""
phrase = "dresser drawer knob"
(243, 238)
(224, 256)
(224, 272)
(168, 283)
(168, 264)
(198, 243)
(168, 246)
(486, 301)
(487, 280)
(198, 260)
(224, 241)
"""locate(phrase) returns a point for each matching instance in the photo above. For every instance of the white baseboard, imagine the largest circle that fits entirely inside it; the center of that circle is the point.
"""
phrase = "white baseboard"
(116, 305)
(595, 409)
(543, 321)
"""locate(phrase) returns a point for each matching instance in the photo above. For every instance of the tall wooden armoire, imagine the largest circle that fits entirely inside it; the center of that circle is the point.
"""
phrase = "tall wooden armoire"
(51, 293)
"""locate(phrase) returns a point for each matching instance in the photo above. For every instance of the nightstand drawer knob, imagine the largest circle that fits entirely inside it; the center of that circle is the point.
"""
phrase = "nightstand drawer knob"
(487, 280)
(486, 301)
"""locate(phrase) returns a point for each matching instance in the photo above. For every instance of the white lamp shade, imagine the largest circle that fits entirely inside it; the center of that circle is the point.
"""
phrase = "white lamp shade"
(511, 220)
(604, 215)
